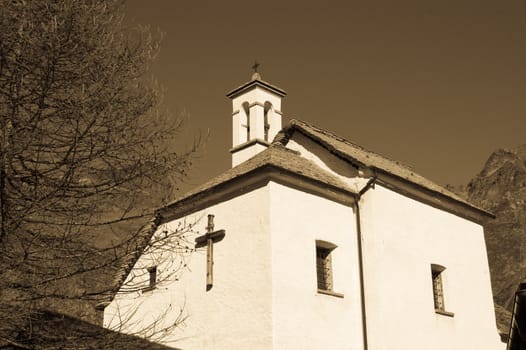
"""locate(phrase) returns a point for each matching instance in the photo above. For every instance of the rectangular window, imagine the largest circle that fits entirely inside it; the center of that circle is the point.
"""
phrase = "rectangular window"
(152, 271)
(437, 279)
(324, 268)
(438, 291)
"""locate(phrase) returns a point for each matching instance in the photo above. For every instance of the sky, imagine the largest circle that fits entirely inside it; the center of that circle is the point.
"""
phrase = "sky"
(437, 85)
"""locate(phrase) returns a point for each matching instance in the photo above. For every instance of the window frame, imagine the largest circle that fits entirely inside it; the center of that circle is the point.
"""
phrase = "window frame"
(324, 272)
(325, 278)
(152, 278)
(437, 284)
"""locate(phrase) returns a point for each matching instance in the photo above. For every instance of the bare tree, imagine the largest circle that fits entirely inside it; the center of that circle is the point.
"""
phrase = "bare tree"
(85, 151)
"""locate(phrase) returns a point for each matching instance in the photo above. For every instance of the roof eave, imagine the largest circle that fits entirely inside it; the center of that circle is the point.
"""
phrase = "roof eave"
(147, 230)
(478, 214)
(249, 181)
(432, 198)
(253, 84)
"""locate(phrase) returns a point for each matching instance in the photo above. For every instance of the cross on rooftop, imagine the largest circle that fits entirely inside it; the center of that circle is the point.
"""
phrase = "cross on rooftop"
(255, 66)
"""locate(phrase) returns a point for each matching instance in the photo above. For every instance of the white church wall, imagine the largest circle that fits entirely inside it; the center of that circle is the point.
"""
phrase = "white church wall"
(401, 239)
(302, 317)
(236, 312)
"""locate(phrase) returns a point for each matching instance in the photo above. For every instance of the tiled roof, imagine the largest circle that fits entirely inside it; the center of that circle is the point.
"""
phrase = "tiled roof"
(275, 155)
(360, 156)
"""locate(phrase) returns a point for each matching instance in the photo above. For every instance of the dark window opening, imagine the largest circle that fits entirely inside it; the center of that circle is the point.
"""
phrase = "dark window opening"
(152, 271)
(246, 108)
(266, 109)
(324, 268)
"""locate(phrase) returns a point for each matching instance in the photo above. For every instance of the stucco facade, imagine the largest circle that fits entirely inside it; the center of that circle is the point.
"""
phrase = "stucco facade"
(265, 295)
(264, 277)
(302, 317)
(386, 228)
(236, 312)
(401, 239)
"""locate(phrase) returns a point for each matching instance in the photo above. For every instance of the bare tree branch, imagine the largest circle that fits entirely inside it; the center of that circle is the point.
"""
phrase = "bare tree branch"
(85, 152)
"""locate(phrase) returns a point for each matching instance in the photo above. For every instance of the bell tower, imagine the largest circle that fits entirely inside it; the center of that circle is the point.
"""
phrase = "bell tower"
(256, 117)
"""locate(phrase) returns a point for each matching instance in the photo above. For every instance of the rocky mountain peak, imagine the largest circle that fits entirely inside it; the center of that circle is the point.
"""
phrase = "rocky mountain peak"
(501, 188)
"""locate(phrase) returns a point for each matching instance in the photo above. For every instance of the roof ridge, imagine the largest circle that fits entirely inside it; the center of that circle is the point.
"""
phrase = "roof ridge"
(281, 147)
(371, 159)
(265, 157)
(303, 123)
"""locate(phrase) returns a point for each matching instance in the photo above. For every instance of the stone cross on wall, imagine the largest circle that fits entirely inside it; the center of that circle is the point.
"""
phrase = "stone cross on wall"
(209, 239)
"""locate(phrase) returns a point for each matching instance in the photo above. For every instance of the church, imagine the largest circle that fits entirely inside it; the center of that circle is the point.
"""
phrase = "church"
(310, 242)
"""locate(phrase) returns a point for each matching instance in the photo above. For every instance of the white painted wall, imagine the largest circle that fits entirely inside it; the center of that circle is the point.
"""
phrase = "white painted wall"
(236, 313)
(401, 239)
(303, 318)
(265, 289)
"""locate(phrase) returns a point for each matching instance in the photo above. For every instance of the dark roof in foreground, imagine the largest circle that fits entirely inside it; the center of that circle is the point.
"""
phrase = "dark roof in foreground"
(360, 156)
(51, 330)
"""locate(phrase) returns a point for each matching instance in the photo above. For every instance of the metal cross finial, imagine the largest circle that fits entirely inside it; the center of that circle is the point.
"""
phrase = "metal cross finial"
(256, 75)
(255, 66)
